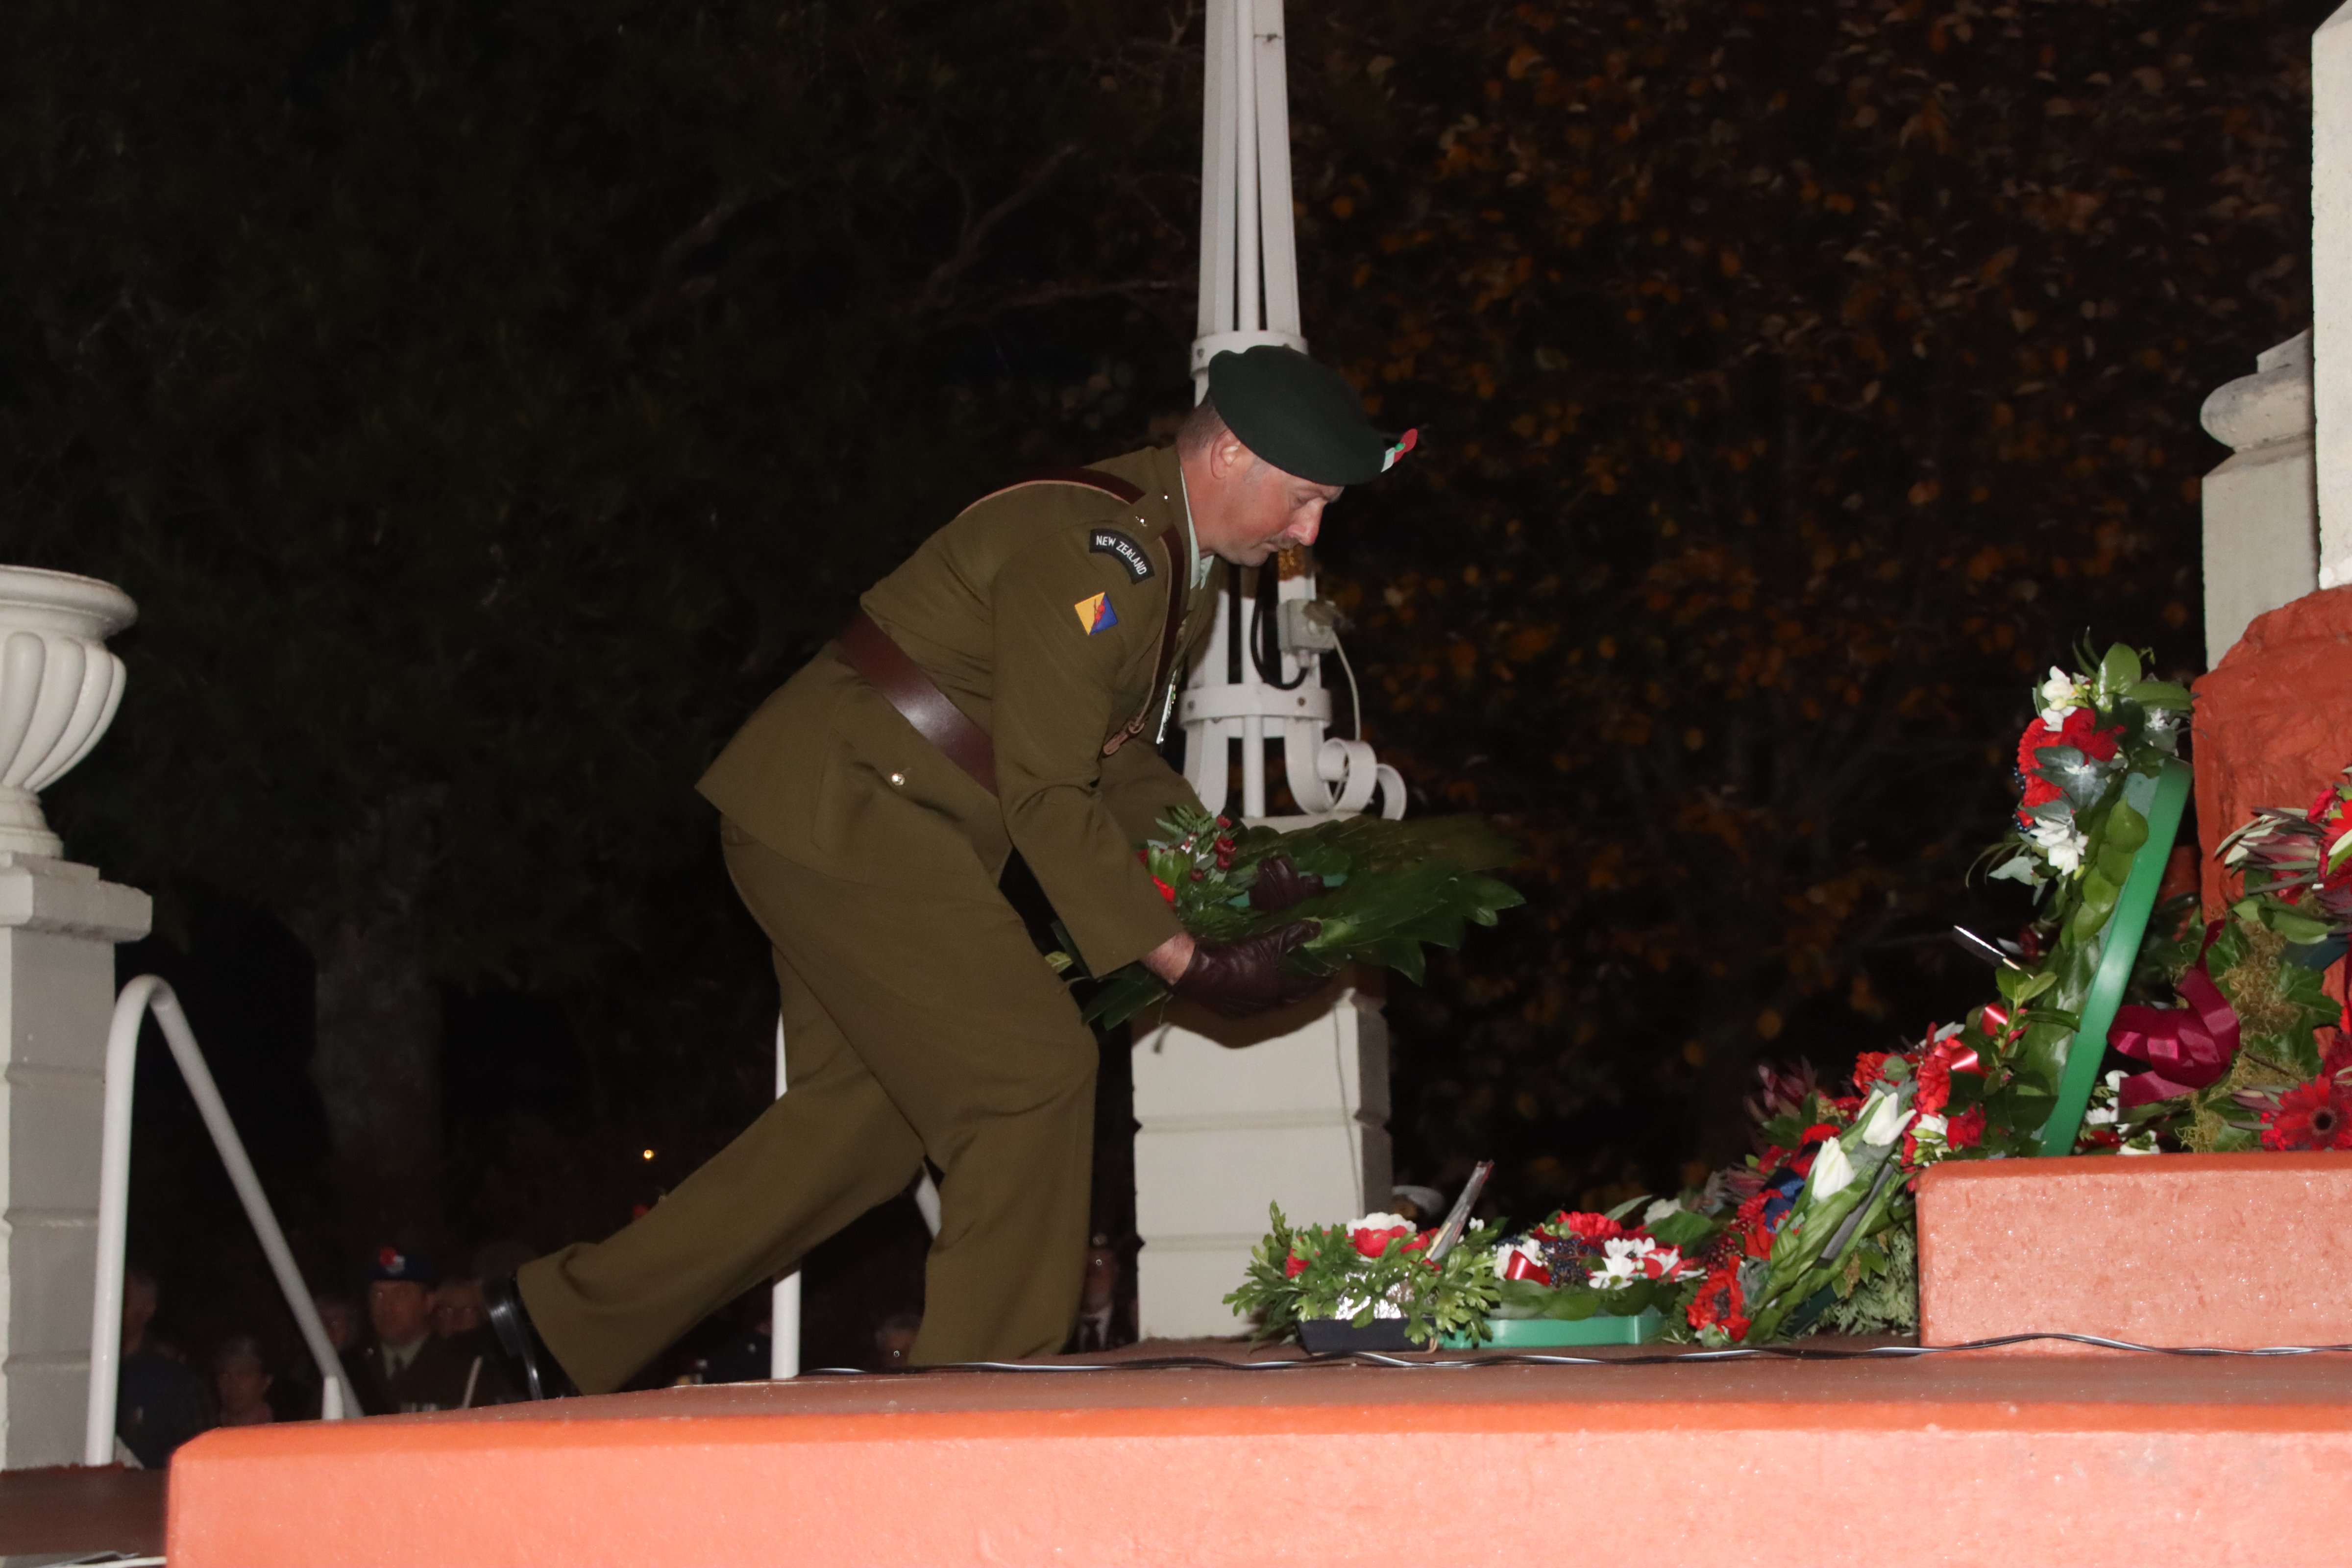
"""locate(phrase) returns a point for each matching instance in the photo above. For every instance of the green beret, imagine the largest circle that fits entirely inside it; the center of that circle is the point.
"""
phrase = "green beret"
(1301, 417)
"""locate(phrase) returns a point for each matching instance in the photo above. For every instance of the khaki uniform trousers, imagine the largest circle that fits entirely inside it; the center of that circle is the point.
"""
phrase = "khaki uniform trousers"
(916, 1021)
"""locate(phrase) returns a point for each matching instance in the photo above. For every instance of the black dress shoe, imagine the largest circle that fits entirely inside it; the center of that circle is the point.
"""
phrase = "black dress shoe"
(543, 1375)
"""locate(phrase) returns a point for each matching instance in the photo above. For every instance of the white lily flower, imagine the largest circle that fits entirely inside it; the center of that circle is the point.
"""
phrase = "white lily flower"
(2058, 694)
(2062, 842)
(1930, 1130)
(1883, 1123)
(1833, 1171)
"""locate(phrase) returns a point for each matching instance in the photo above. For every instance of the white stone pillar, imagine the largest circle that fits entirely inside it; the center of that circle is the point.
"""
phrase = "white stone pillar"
(59, 925)
(1299, 1118)
(2331, 289)
(2262, 516)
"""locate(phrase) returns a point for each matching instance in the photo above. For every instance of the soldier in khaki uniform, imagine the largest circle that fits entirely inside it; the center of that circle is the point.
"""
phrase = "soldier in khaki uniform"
(1003, 689)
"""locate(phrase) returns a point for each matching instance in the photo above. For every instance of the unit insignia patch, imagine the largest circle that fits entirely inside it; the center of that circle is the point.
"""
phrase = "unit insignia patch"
(1095, 613)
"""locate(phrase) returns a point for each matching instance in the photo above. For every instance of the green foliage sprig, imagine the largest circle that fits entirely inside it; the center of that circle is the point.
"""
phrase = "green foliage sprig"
(1391, 887)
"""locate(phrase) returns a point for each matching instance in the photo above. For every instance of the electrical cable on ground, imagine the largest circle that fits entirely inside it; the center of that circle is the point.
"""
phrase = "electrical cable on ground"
(1540, 1358)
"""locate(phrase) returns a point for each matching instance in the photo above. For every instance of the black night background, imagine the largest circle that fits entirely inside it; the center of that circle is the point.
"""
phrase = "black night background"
(488, 404)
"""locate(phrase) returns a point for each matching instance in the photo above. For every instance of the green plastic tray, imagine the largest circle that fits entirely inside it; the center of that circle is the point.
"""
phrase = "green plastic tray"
(1552, 1333)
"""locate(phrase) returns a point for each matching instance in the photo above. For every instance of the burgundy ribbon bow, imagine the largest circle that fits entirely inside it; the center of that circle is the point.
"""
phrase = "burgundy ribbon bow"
(2187, 1048)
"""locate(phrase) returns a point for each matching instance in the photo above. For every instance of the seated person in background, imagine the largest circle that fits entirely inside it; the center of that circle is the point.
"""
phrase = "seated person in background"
(339, 1318)
(457, 1309)
(242, 1381)
(159, 1403)
(400, 1368)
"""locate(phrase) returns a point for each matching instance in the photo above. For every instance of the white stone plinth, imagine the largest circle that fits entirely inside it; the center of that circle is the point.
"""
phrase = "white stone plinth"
(1290, 1110)
(58, 926)
(2331, 289)
(2261, 514)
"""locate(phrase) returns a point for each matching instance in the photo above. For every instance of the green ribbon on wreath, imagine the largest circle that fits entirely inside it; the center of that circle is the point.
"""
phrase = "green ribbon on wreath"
(2162, 804)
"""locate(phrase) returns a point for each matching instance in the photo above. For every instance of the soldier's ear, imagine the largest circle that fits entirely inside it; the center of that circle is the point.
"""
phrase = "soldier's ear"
(1228, 457)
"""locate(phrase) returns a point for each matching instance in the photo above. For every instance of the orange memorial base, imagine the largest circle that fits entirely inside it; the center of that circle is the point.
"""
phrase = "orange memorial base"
(2130, 1460)
(2235, 1250)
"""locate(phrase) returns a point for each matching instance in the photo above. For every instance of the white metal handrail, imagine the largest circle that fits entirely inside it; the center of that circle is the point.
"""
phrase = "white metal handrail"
(152, 994)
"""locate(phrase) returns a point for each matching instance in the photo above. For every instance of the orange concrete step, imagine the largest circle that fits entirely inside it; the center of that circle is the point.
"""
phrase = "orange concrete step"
(2237, 1250)
(2130, 1460)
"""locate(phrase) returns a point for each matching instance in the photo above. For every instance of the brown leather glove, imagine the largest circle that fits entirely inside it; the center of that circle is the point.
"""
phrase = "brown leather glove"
(1239, 978)
(1280, 885)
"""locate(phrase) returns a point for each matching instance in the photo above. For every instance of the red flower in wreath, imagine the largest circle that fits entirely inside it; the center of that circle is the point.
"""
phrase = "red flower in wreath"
(1720, 1303)
(1942, 1059)
(1373, 1243)
(2316, 1115)
(1594, 1228)
(2081, 731)
(1965, 1132)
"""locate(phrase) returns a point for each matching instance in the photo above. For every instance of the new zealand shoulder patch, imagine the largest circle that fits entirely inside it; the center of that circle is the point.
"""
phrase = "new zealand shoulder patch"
(1126, 550)
(1095, 613)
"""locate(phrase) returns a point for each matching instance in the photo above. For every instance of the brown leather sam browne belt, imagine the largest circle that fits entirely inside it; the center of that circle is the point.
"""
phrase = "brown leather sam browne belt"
(918, 699)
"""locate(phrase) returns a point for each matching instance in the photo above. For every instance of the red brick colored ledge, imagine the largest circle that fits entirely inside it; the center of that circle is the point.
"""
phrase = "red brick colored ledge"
(2235, 1250)
(2130, 1460)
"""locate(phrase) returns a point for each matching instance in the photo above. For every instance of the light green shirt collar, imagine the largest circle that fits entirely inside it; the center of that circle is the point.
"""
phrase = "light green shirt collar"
(1202, 564)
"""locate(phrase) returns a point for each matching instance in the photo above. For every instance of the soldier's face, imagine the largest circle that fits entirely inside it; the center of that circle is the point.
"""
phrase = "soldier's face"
(1257, 509)
(399, 1310)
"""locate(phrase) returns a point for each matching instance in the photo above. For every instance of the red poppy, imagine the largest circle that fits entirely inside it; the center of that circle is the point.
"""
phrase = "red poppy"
(1720, 1303)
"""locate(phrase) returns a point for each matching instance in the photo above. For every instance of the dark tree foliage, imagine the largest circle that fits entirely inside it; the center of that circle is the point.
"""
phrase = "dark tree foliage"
(1802, 378)
(489, 403)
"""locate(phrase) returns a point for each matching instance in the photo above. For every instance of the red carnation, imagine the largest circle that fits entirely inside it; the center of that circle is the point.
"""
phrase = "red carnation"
(1293, 1266)
(2081, 731)
(1595, 1229)
(1965, 1132)
(1373, 1243)
(2316, 1115)
(1869, 1067)
(1942, 1059)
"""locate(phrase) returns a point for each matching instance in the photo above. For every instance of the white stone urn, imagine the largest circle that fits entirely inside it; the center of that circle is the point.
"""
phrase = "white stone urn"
(58, 689)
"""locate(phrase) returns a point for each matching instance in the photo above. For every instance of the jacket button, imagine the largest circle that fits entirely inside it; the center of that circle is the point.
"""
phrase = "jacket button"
(898, 778)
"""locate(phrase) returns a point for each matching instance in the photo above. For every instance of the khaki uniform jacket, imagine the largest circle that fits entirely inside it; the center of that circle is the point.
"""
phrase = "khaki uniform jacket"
(1038, 611)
